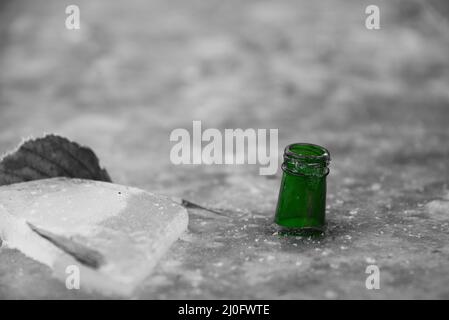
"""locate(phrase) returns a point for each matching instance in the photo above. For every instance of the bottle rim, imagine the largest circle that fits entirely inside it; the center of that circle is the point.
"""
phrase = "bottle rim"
(322, 153)
(306, 159)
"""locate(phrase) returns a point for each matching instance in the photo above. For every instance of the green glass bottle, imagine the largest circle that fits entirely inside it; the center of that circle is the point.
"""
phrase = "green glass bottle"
(302, 197)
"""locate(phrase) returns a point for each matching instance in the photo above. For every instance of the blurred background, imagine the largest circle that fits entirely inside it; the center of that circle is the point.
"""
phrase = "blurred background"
(137, 69)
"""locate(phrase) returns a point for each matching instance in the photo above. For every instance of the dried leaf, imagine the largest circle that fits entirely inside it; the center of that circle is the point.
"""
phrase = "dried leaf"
(87, 256)
(49, 157)
(188, 204)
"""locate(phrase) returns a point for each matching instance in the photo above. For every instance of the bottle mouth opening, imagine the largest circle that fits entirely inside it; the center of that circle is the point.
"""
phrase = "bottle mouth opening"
(306, 159)
(307, 151)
